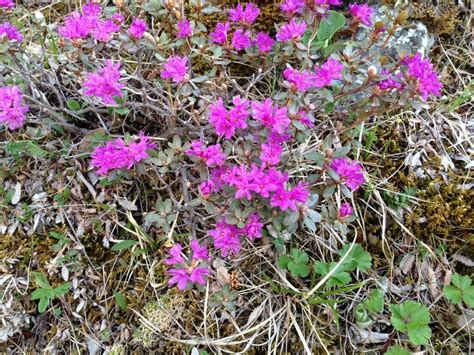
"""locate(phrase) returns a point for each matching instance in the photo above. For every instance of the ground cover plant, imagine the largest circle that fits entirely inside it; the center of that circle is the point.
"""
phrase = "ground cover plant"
(183, 177)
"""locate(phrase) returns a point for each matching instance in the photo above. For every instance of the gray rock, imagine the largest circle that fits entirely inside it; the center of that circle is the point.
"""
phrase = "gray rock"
(410, 39)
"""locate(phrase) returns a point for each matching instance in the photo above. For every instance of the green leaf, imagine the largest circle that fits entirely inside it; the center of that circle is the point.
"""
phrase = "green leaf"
(62, 290)
(283, 261)
(73, 105)
(330, 25)
(43, 304)
(453, 294)
(298, 269)
(412, 318)
(299, 256)
(397, 350)
(41, 280)
(419, 335)
(121, 302)
(41, 293)
(460, 289)
(357, 259)
(461, 282)
(124, 244)
(338, 278)
(375, 301)
(297, 263)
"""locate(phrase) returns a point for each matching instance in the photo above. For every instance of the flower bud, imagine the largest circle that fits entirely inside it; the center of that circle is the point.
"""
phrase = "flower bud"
(372, 71)
(329, 153)
(402, 16)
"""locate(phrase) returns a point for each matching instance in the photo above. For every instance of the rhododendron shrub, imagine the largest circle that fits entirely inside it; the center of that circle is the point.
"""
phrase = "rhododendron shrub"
(266, 125)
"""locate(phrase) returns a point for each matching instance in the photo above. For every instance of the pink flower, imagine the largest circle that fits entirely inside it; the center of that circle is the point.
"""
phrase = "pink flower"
(303, 117)
(422, 71)
(390, 82)
(211, 155)
(227, 122)
(292, 7)
(272, 149)
(290, 199)
(104, 29)
(199, 252)
(12, 110)
(270, 115)
(116, 154)
(199, 275)
(77, 26)
(247, 16)
(326, 73)
(345, 210)
(299, 80)
(104, 83)
(240, 40)
(7, 3)
(264, 42)
(175, 255)
(175, 69)
(118, 18)
(92, 9)
(184, 29)
(206, 188)
(184, 275)
(226, 238)
(137, 28)
(271, 153)
(10, 31)
(266, 183)
(326, 3)
(351, 172)
(219, 35)
(291, 31)
(362, 13)
(253, 229)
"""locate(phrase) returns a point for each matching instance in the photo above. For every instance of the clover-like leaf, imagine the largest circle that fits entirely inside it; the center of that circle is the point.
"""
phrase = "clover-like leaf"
(412, 318)
(461, 289)
(375, 301)
(357, 259)
(296, 263)
(338, 278)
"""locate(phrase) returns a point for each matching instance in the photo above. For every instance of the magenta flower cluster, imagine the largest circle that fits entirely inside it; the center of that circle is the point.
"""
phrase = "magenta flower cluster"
(137, 28)
(323, 75)
(211, 156)
(11, 32)
(421, 70)
(417, 74)
(296, 7)
(350, 172)
(228, 238)
(12, 109)
(362, 13)
(7, 4)
(89, 24)
(186, 272)
(117, 154)
(243, 37)
(104, 83)
(175, 69)
(184, 29)
(291, 31)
